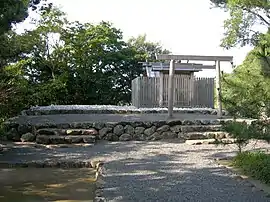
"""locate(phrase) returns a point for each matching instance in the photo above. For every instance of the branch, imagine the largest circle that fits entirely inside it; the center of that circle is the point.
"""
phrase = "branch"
(258, 15)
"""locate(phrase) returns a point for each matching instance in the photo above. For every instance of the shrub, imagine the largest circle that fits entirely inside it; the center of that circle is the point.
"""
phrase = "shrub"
(254, 164)
(241, 132)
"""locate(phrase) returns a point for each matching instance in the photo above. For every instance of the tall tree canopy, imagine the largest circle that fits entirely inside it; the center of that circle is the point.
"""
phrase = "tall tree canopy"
(246, 17)
(62, 62)
(16, 11)
(246, 90)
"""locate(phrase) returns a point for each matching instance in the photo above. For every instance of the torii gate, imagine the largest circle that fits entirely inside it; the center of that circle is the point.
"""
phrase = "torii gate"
(216, 59)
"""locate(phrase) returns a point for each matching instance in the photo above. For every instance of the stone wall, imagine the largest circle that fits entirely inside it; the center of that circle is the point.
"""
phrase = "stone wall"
(114, 131)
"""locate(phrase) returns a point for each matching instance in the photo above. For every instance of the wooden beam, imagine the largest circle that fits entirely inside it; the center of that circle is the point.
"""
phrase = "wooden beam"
(195, 57)
(182, 65)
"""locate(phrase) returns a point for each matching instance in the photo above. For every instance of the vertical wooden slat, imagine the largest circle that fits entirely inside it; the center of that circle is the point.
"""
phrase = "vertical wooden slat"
(190, 91)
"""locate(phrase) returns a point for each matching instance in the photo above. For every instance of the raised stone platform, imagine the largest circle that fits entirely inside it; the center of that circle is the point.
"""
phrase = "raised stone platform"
(110, 109)
(72, 128)
(86, 128)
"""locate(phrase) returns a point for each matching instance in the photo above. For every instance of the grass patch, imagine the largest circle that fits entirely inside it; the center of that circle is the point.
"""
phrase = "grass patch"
(254, 164)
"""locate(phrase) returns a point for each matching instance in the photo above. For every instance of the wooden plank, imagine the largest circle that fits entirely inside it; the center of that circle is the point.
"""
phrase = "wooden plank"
(195, 57)
(161, 89)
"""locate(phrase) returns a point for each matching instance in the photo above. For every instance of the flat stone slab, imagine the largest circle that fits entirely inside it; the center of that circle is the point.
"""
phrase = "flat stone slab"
(109, 109)
(156, 171)
(69, 118)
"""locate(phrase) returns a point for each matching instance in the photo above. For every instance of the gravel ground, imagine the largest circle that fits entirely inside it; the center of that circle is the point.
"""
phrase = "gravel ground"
(68, 118)
(157, 171)
(107, 107)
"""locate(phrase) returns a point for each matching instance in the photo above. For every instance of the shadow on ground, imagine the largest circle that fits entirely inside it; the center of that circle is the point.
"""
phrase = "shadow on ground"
(156, 171)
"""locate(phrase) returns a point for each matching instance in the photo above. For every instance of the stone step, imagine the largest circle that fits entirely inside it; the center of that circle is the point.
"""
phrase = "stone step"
(60, 132)
(210, 141)
(69, 139)
(200, 128)
(203, 135)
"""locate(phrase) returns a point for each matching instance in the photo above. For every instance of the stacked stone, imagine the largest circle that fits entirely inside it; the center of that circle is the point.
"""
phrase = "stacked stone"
(50, 133)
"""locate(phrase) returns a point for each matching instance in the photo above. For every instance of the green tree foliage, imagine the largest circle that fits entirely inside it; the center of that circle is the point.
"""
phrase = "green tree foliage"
(100, 64)
(241, 132)
(16, 11)
(147, 50)
(246, 92)
(242, 26)
(61, 62)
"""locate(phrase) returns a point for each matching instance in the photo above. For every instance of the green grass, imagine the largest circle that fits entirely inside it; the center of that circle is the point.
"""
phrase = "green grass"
(254, 164)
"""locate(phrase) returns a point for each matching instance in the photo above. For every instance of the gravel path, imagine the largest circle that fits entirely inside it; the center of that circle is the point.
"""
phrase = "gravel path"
(158, 171)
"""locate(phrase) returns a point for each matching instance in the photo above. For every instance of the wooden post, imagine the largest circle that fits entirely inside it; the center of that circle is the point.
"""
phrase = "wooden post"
(218, 89)
(161, 89)
(171, 89)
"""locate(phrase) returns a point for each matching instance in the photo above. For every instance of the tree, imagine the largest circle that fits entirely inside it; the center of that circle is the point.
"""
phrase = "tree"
(100, 64)
(61, 62)
(14, 11)
(246, 91)
(147, 50)
(245, 16)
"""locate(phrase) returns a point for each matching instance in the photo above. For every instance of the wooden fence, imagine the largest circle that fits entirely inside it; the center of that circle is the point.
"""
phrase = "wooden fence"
(190, 91)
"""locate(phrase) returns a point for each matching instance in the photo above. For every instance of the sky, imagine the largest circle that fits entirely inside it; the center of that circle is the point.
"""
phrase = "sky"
(186, 27)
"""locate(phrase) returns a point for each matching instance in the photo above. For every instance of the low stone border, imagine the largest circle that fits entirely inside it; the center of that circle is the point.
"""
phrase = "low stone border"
(239, 176)
(46, 164)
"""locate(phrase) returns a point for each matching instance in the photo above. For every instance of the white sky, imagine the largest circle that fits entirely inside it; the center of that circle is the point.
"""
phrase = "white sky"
(182, 26)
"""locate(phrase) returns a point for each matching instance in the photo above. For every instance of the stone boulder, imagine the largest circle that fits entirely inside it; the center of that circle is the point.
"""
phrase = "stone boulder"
(23, 129)
(155, 136)
(111, 137)
(89, 139)
(55, 139)
(176, 129)
(129, 130)
(139, 130)
(46, 132)
(118, 130)
(150, 131)
(195, 136)
(140, 137)
(43, 139)
(125, 137)
(163, 128)
(28, 137)
(73, 132)
(13, 135)
(98, 125)
(103, 132)
(73, 139)
(90, 132)
(168, 135)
